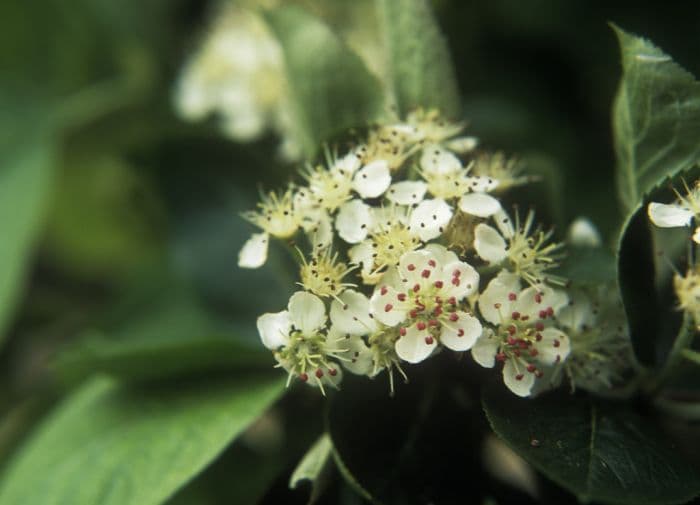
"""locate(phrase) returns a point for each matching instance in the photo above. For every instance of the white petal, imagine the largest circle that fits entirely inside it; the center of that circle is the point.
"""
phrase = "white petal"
(407, 192)
(373, 179)
(460, 335)
(307, 312)
(353, 221)
(517, 378)
(348, 164)
(485, 349)
(696, 235)
(441, 254)
(438, 161)
(554, 346)
(360, 360)
(504, 223)
(327, 379)
(460, 279)
(582, 233)
(479, 204)
(274, 329)
(669, 216)
(361, 254)
(321, 234)
(531, 301)
(415, 345)
(495, 301)
(350, 314)
(412, 265)
(489, 244)
(430, 218)
(253, 254)
(386, 307)
(462, 145)
(578, 314)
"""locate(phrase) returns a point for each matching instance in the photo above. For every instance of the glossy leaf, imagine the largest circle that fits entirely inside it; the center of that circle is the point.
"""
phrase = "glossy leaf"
(420, 71)
(112, 445)
(331, 88)
(656, 118)
(600, 452)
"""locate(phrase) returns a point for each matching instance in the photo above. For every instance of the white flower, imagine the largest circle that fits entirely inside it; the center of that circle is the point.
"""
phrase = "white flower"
(354, 221)
(479, 204)
(277, 217)
(523, 250)
(601, 351)
(523, 337)
(324, 274)
(372, 180)
(422, 297)
(680, 213)
(299, 340)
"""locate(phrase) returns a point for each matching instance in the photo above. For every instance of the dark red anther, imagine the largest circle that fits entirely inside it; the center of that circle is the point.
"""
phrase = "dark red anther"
(437, 311)
(384, 290)
(411, 267)
(429, 340)
(416, 288)
(401, 297)
(388, 307)
(519, 377)
(438, 284)
(425, 273)
(550, 311)
(433, 322)
(512, 297)
(538, 337)
(515, 315)
(455, 281)
(512, 329)
(538, 297)
(452, 301)
(539, 326)
(454, 317)
(402, 332)
(456, 273)
(333, 372)
(500, 357)
(534, 352)
(319, 373)
(420, 325)
(543, 314)
(303, 377)
(413, 313)
(531, 368)
(556, 343)
(511, 341)
(460, 332)
(431, 263)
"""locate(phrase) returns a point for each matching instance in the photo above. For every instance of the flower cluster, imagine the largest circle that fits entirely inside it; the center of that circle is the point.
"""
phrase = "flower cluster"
(411, 252)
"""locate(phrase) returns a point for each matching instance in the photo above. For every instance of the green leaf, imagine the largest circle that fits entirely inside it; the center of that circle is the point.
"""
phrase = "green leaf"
(311, 465)
(331, 88)
(598, 451)
(420, 68)
(635, 272)
(656, 118)
(171, 336)
(118, 446)
(26, 166)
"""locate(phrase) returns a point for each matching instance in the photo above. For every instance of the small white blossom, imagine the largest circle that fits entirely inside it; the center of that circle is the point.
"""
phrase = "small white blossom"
(354, 221)
(678, 214)
(300, 342)
(422, 296)
(523, 337)
(583, 233)
(430, 218)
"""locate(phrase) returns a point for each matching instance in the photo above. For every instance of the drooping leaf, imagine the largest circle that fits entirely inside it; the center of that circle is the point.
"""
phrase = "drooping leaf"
(330, 87)
(420, 70)
(600, 452)
(635, 271)
(656, 118)
(112, 445)
(311, 465)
